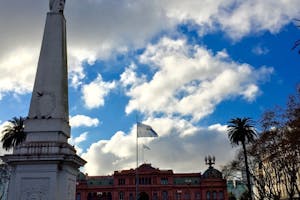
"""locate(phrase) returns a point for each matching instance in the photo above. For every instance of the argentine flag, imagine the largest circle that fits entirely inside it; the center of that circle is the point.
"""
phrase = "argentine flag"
(144, 130)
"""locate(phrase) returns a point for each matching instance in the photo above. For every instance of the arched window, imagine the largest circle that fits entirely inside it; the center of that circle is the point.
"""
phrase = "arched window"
(164, 195)
(221, 195)
(89, 197)
(178, 195)
(103, 196)
(197, 195)
(131, 196)
(78, 196)
(94, 195)
(121, 195)
(109, 196)
(208, 195)
(214, 195)
(155, 196)
(187, 196)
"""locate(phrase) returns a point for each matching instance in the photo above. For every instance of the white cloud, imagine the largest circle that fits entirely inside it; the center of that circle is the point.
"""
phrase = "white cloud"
(22, 61)
(250, 92)
(191, 80)
(108, 27)
(252, 16)
(105, 156)
(95, 92)
(260, 50)
(236, 18)
(218, 127)
(129, 77)
(77, 141)
(76, 60)
(118, 153)
(104, 28)
(82, 120)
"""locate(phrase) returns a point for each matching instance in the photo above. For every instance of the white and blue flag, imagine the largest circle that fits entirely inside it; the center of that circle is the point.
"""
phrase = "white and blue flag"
(146, 147)
(144, 130)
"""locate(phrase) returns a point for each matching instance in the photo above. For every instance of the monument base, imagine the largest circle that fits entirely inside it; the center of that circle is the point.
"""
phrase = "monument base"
(43, 177)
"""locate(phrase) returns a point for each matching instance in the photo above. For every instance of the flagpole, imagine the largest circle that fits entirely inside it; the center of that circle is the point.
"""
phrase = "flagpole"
(137, 162)
(143, 153)
(142, 130)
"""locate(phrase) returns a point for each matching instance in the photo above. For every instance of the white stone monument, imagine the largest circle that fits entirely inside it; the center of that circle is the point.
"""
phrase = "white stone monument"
(45, 166)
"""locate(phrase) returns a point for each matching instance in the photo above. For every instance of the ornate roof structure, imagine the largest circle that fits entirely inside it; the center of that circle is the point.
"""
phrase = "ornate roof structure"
(212, 173)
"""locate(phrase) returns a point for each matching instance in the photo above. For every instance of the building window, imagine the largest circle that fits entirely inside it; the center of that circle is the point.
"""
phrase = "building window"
(131, 196)
(102, 195)
(197, 196)
(164, 181)
(187, 196)
(78, 196)
(221, 195)
(208, 195)
(89, 197)
(178, 195)
(214, 195)
(121, 195)
(109, 196)
(155, 196)
(164, 195)
(145, 181)
(121, 181)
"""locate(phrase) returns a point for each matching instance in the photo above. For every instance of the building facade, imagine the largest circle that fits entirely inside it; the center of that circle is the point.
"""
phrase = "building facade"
(153, 184)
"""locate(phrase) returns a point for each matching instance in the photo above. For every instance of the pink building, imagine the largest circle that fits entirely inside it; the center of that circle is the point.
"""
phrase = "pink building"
(154, 184)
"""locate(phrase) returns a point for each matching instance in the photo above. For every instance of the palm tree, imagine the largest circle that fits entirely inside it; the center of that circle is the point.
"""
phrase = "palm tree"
(13, 133)
(241, 130)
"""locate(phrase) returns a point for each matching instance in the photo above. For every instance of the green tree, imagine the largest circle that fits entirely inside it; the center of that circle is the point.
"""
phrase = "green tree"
(13, 133)
(242, 131)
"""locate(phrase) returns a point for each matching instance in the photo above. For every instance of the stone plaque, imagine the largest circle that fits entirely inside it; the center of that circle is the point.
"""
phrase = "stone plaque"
(34, 189)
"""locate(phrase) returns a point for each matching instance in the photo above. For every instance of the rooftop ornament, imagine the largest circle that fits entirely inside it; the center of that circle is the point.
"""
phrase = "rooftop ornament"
(210, 160)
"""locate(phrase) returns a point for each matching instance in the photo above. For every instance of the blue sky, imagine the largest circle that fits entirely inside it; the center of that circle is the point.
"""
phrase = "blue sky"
(183, 67)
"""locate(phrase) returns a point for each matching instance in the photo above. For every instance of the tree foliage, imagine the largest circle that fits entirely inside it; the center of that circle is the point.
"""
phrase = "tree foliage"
(274, 156)
(13, 133)
(241, 130)
(281, 141)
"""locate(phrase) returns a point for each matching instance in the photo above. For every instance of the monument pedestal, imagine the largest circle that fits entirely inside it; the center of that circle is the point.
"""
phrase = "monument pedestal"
(46, 177)
(43, 171)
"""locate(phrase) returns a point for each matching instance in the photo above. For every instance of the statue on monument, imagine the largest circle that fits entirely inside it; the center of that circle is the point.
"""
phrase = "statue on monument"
(57, 6)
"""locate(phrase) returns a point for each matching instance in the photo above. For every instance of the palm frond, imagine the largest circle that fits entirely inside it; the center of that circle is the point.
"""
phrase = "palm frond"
(13, 133)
